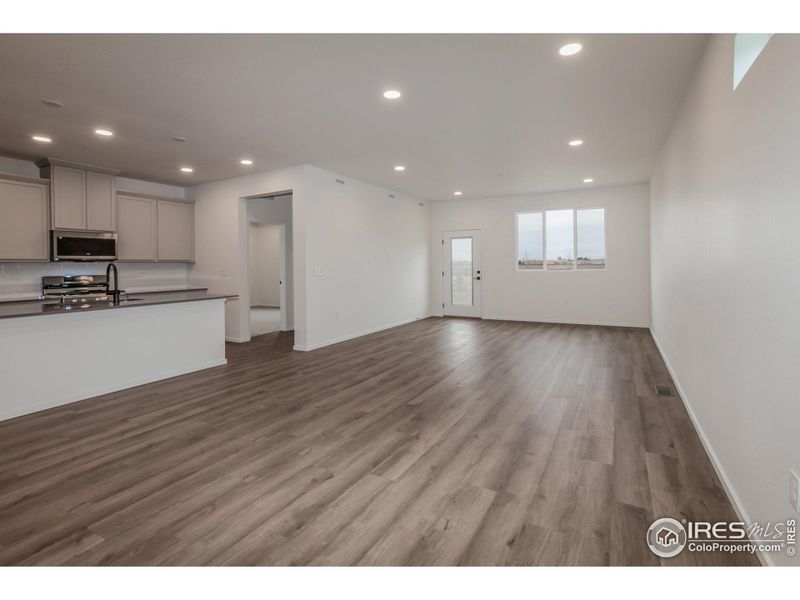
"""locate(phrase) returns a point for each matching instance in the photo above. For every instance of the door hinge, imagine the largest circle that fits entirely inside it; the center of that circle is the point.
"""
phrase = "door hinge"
(442, 273)
(442, 242)
(442, 304)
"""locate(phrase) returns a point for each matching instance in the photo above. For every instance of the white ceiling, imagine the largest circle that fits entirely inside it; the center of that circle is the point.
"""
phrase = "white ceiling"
(486, 114)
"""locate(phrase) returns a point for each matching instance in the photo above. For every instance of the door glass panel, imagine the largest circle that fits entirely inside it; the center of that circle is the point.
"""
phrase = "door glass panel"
(461, 271)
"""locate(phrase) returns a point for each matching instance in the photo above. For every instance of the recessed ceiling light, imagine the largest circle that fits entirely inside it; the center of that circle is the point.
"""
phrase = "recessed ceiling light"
(399, 168)
(187, 170)
(246, 161)
(104, 132)
(588, 180)
(457, 193)
(392, 94)
(570, 49)
(576, 142)
(42, 138)
(52, 103)
(178, 138)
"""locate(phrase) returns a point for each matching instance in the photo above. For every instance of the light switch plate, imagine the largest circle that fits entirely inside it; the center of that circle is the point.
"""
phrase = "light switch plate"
(794, 489)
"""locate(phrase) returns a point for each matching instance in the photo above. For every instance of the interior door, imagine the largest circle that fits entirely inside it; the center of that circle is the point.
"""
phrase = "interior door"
(462, 273)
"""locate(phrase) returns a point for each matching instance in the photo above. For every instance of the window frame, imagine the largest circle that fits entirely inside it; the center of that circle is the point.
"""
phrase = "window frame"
(544, 268)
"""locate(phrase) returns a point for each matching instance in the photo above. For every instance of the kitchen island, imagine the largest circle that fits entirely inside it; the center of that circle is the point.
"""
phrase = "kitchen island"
(52, 354)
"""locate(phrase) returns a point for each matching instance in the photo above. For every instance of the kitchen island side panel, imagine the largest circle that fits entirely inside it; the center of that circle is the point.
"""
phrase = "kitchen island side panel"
(50, 360)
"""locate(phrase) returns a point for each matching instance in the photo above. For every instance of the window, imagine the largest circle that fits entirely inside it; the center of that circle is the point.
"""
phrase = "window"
(561, 240)
(530, 241)
(591, 228)
(746, 48)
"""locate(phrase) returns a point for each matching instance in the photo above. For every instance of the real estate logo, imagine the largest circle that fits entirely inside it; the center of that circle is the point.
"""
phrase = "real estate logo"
(666, 537)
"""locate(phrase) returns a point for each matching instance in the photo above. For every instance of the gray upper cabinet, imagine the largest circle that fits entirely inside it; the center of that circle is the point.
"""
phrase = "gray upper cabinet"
(175, 231)
(137, 219)
(24, 219)
(68, 197)
(81, 197)
(153, 229)
(101, 209)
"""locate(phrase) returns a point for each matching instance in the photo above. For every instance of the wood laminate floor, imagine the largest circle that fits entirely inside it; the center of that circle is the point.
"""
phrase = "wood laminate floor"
(442, 442)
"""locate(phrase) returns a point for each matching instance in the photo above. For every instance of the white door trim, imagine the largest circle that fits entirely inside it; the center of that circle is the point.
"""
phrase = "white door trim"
(283, 249)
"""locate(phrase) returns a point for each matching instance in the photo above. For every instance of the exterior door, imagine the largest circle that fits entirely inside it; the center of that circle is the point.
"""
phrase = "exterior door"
(462, 273)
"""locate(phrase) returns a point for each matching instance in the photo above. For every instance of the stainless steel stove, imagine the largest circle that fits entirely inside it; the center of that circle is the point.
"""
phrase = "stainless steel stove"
(75, 289)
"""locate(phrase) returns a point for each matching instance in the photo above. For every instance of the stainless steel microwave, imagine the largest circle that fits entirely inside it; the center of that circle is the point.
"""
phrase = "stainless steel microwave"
(83, 245)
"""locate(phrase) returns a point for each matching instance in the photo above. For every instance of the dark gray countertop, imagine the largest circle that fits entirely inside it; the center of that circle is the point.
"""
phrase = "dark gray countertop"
(31, 308)
(39, 298)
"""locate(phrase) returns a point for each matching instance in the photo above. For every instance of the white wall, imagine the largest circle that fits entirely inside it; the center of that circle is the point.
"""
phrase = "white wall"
(725, 267)
(221, 227)
(15, 166)
(24, 280)
(137, 186)
(265, 265)
(618, 295)
(367, 258)
(360, 257)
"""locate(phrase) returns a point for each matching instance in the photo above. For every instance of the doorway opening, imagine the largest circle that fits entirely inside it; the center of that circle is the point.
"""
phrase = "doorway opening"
(265, 266)
(269, 264)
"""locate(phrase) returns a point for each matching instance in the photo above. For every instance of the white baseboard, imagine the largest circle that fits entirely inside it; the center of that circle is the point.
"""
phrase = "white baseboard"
(741, 513)
(236, 340)
(566, 321)
(346, 338)
(116, 387)
(528, 319)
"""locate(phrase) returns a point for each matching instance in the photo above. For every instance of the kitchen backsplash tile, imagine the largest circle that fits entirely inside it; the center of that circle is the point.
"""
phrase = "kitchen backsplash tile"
(24, 280)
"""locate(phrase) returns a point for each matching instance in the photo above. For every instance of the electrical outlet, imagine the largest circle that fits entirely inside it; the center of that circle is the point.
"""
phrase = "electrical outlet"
(794, 489)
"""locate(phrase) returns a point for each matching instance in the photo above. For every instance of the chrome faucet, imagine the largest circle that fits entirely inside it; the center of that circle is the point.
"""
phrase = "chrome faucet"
(115, 293)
